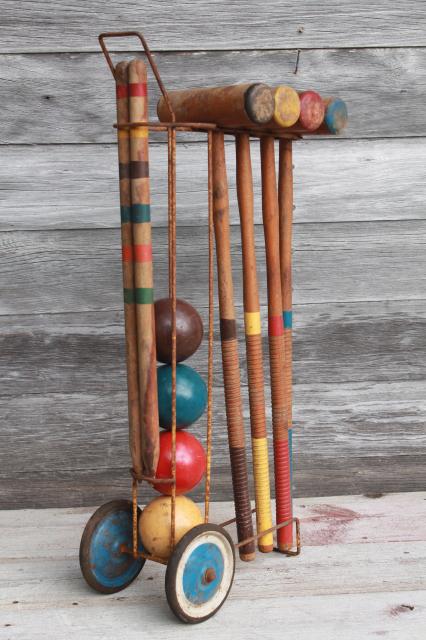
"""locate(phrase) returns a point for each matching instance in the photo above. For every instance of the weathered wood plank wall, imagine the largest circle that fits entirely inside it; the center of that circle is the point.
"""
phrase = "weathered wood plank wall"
(360, 231)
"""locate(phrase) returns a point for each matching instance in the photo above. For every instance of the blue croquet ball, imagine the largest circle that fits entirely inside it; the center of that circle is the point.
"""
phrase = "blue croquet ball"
(191, 395)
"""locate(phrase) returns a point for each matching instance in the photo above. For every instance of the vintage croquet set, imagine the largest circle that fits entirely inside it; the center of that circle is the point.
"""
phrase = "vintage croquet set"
(164, 399)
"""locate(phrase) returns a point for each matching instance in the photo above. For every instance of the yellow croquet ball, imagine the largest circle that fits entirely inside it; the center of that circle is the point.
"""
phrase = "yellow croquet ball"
(154, 523)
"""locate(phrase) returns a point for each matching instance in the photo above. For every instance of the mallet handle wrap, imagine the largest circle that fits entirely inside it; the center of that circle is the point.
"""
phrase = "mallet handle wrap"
(230, 360)
(253, 333)
(270, 214)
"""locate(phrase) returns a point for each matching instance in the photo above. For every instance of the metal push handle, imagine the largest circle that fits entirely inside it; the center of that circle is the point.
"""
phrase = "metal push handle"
(136, 34)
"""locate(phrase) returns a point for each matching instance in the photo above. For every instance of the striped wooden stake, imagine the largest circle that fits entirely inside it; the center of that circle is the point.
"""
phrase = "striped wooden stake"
(230, 360)
(143, 294)
(121, 77)
(254, 344)
(276, 341)
(285, 199)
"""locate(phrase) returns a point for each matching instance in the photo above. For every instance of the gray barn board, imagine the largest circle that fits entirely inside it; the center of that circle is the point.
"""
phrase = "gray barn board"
(359, 238)
(76, 89)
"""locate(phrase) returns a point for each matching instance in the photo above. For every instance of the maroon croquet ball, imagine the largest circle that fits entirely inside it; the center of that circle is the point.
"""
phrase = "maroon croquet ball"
(190, 462)
(189, 330)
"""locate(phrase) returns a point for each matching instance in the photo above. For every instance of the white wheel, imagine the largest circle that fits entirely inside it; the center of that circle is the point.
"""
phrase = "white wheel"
(200, 573)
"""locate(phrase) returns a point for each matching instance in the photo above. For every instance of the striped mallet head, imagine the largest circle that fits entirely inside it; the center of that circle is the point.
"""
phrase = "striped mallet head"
(336, 115)
(287, 106)
(312, 110)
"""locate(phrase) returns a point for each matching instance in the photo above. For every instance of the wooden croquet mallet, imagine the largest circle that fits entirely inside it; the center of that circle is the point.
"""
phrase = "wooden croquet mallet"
(311, 114)
(276, 341)
(253, 335)
(234, 105)
(130, 329)
(285, 200)
(230, 359)
(335, 118)
(286, 108)
(143, 269)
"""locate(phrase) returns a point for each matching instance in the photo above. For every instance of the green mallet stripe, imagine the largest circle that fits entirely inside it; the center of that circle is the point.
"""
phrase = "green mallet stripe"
(140, 295)
(141, 213)
(136, 213)
(129, 296)
(144, 295)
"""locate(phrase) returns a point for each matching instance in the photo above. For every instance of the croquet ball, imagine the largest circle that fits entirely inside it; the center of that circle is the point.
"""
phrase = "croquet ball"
(191, 395)
(190, 462)
(311, 110)
(155, 521)
(189, 330)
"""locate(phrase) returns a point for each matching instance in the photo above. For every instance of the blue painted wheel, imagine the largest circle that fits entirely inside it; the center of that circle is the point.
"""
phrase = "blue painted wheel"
(105, 567)
(200, 573)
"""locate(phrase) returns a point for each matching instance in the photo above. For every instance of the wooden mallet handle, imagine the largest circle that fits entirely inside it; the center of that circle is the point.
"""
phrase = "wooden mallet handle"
(285, 199)
(254, 354)
(276, 340)
(230, 360)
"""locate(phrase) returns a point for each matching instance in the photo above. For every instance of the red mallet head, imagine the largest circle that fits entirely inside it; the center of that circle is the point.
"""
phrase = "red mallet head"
(312, 110)
(190, 462)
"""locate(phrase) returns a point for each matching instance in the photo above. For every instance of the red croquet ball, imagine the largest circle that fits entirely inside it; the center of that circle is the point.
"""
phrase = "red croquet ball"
(190, 462)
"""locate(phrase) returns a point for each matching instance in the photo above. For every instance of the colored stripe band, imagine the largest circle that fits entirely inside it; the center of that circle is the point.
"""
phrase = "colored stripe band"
(228, 329)
(137, 89)
(252, 323)
(144, 295)
(288, 319)
(275, 326)
(123, 170)
(141, 213)
(129, 296)
(121, 91)
(127, 253)
(140, 296)
(135, 213)
(262, 489)
(139, 169)
(143, 252)
(139, 132)
(125, 214)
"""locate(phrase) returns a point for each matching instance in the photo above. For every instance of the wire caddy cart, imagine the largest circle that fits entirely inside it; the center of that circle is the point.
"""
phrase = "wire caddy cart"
(200, 565)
